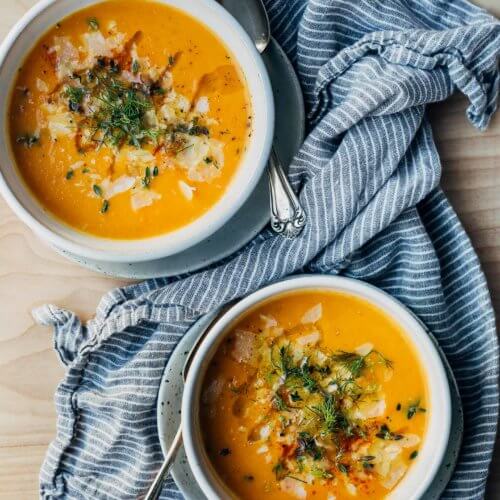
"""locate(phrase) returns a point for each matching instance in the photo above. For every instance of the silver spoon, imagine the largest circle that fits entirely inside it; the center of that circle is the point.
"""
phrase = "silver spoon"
(155, 489)
(287, 215)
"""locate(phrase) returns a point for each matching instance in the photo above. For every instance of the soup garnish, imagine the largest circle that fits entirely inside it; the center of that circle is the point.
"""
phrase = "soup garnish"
(299, 401)
(127, 112)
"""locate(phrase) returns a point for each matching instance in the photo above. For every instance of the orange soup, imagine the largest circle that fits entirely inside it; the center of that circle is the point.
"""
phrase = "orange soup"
(314, 395)
(129, 119)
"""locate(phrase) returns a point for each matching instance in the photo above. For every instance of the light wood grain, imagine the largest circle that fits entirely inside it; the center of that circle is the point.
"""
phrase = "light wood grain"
(32, 274)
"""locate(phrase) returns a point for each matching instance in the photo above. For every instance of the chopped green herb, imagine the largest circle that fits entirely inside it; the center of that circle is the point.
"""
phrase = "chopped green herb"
(413, 454)
(171, 60)
(295, 396)
(85, 170)
(97, 190)
(93, 23)
(155, 171)
(331, 415)
(135, 66)
(69, 174)
(105, 206)
(386, 434)
(398, 407)
(208, 160)
(146, 180)
(157, 90)
(279, 471)
(75, 97)
(120, 117)
(413, 409)
(28, 140)
(198, 130)
(279, 404)
(343, 468)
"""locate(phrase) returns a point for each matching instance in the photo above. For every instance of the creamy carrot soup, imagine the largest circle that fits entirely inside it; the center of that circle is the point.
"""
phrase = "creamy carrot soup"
(128, 119)
(314, 395)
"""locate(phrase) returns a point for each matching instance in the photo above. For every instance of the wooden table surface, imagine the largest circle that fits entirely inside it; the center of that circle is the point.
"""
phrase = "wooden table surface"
(32, 274)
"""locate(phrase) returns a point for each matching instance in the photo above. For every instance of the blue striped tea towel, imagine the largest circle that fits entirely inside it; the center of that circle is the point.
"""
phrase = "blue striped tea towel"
(368, 176)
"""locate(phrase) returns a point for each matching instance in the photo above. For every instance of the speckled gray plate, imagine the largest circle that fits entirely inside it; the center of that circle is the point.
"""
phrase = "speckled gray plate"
(169, 405)
(254, 214)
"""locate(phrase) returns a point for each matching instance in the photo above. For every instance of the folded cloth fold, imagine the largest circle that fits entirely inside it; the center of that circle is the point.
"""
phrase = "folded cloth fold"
(368, 176)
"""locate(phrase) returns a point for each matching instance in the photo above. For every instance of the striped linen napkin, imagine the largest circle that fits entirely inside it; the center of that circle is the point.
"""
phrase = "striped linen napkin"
(368, 176)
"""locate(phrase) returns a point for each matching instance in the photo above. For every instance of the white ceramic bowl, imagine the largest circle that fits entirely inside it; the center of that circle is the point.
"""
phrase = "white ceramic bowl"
(421, 473)
(16, 46)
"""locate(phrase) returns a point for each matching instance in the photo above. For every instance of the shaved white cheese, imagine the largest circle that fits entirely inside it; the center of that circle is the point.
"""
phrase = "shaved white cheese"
(217, 152)
(269, 321)
(167, 112)
(186, 190)
(396, 472)
(262, 449)
(293, 487)
(311, 339)
(41, 85)
(331, 497)
(150, 118)
(143, 198)
(369, 409)
(203, 158)
(364, 349)
(265, 432)
(351, 489)
(95, 46)
(202, 105)
(67, 56)
(134, 161)
(167, 81)
(61, 124)
(312, 315)
(213, 391)
(194, 152)
(131, 77)
(243, 346)
(268, 458)
(120, 185)
(76, 165)
(409, 440)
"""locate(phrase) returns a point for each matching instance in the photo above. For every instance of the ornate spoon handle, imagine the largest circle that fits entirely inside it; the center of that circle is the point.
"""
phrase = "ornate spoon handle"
(287, 215)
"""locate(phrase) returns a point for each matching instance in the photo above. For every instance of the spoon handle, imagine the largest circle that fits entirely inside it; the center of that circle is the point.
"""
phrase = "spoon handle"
(156, 487)
(287, 215)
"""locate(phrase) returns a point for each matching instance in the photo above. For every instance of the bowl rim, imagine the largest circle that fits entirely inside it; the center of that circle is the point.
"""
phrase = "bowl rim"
(173, 242)
(418, 478)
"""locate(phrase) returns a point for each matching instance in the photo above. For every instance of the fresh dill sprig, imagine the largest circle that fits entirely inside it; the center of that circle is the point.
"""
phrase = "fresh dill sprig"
(75, 97)
(353, 362)
(331, 416)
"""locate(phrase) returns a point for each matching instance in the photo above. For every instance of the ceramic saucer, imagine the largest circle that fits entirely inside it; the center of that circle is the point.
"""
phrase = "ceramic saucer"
(254, 214)
(169, 405)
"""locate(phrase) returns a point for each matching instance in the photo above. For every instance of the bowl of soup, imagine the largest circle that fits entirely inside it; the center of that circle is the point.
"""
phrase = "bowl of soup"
(316, 387)
(132, 129)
